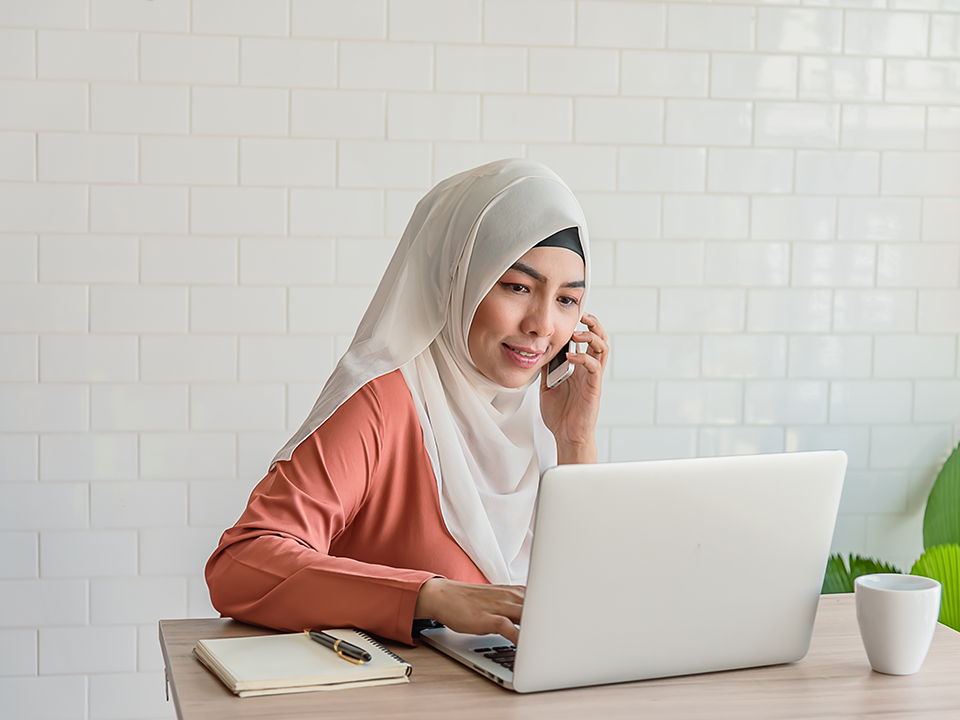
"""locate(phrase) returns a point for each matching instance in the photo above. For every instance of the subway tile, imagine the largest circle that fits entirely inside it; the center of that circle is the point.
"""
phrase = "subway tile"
(47, 602)
(385, 66)
(239, 111)
(753, 76)
(943, 128)
(45, 13)
(286, 261)
(88, 553)
(124, 695)
(750, 170)
(885, 33)
(129, 108)
(169, 16)
(188, 160)
(238, 211)
(583, 167)
(18, 53)
(602, 262)
(360, 19)
(621, 216)
(944, 36)
(655, 443)
(20, 653)
(936, 401)
(433, 116)
(34, 105)
(88, 358)
(138, 407)
(655, 356)
(519, 118)
(176, 551)
(481, 68)
(621, 25)
(785, 402)
(788, 310)
(908, 446)
(138, 309)
(43, 506)
(930, 173)
(188, 358)
(288, 63)
(918, 265)
(651, 73)
(138, 209)
(88, 456)
(708, 122)
(74, 157)
(625, 309)
(701, 310)
(237, 309)
(86, 55)
(19, 258)
(18, 150)
(939, 311)
(883, 127)
(43, 408)
(799, 30)
(336, 212)
(310, 308)
(744, 356)
(832, 265)
(256, 450)
(941, 218)
(435, 20)
(830, 356)
(47, 207)
(450, 158)
(218, 503)
(661, 169)
(287, 162)
(88, 258)
(874, 492)
(574, 71)
(874, 310)
(18, 457)
(240, 17)
(935, 82)
(659, 263)
(49, 697)
(20, 359)
(342, 114)
(189, 59)
(699, 402)
(379, 164)
(138, 504)
(710, 27)
(797, 125)
(19, 559)
(618, 120)
(187, 455)
(837, 172)
(740, 441)
(535, 22)
(853, 440)
(792, 218)
(236, 407)
(87, 650)
(914, 356)
(747, 263)
(188, 260)
(723, 217)
(883, 219)
(127, 601)
(627, 402)
(43, 308)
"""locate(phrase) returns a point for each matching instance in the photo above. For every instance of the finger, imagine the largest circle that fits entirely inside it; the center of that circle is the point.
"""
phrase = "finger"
(591, 322)
(595, 344)
(504, 626)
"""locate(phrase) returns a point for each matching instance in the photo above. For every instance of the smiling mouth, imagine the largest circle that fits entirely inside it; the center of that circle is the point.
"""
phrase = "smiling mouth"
(523, 353)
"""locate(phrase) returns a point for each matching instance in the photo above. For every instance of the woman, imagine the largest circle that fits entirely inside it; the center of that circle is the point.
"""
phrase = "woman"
(409, 491)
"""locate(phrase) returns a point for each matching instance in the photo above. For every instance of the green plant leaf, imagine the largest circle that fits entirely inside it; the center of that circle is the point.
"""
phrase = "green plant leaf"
(839, 578)
(942, 563)
(941, 519)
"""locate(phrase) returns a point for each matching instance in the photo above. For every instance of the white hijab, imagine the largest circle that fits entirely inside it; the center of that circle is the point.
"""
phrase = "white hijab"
(487, 444)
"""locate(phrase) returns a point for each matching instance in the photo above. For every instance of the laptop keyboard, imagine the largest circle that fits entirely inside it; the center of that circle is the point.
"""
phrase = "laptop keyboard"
(501, 654)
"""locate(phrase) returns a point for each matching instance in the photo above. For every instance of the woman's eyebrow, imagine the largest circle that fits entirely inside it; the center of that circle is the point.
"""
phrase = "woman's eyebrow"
(540, 277)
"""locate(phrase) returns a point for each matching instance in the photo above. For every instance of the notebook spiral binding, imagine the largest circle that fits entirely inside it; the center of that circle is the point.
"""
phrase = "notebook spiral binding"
(385, 649)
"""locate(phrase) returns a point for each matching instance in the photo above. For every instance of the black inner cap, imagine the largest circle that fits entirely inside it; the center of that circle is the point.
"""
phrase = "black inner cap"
(568, 238)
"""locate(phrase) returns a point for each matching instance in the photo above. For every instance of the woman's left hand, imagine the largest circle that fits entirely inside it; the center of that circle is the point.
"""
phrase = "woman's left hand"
(570, 410)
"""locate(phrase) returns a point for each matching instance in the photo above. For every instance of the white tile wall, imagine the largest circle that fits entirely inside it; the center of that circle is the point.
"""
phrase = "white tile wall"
(188, 188)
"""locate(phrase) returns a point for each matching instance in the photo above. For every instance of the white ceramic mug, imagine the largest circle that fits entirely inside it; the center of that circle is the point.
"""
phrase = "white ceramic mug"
(897, 616)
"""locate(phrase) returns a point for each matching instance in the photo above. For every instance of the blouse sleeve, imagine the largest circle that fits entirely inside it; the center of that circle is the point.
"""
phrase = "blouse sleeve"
(273, 568)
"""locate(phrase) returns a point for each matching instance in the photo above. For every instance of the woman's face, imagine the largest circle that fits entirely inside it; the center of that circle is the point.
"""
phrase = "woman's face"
(528, 316)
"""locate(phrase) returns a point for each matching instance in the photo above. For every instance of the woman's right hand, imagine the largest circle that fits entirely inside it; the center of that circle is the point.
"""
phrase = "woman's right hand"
(474, 609)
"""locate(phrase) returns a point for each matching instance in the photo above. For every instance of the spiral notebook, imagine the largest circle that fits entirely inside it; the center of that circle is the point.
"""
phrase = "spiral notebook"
(276, 664)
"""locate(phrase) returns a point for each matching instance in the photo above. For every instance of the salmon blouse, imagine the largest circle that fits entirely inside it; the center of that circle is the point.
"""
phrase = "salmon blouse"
(345, 532)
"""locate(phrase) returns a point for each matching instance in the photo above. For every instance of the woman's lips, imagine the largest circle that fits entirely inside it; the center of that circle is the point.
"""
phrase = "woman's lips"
(522, 357)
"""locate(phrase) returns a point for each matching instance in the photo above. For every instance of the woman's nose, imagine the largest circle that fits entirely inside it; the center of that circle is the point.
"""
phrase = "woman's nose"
(539, 321)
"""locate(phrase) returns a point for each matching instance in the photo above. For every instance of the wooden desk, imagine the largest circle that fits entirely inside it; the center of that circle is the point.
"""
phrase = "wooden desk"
(833, 681)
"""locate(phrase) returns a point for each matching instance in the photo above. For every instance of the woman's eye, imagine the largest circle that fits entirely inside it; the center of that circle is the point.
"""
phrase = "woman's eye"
(569, 301)
(515, 287)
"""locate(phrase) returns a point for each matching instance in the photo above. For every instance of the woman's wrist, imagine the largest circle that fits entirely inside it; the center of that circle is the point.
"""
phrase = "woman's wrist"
(573, 453)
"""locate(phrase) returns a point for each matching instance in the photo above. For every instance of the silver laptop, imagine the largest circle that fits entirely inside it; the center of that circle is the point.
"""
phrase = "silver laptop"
(670, 567)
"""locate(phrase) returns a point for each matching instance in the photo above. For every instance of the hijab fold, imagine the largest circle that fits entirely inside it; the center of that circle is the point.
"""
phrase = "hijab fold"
(487, 444)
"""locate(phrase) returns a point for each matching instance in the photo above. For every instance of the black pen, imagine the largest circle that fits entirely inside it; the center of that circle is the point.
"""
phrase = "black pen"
(346, 650)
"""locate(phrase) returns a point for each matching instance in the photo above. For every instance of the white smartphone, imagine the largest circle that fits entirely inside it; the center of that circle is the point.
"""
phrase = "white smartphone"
(559, 368)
